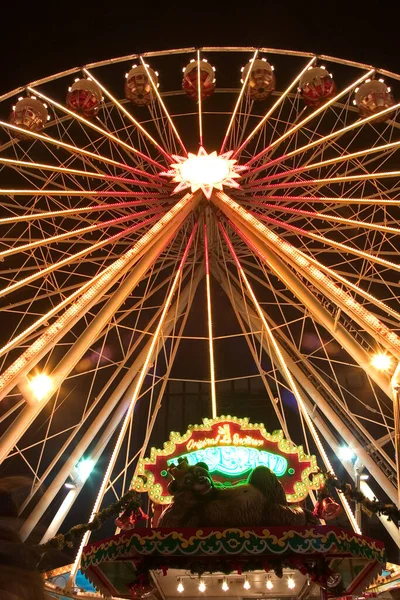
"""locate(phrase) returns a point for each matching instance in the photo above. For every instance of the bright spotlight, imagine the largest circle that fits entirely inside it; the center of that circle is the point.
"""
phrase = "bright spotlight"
(246, 583)
(85, 467)
(381, 361)
(202, 586)
(41, 385)
(364, 477)
(225, 586)
(180, 588)
(269, 584)
(346, 453)
(291, 584)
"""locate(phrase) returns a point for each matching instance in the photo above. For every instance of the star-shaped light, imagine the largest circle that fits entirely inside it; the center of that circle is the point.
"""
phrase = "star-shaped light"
(204, 171)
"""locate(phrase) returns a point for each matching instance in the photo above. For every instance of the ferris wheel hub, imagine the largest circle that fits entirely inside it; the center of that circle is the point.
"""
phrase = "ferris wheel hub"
(204, 171)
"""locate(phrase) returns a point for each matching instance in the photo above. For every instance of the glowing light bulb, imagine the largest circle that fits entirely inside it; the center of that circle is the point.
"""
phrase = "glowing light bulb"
(85, 467)
(41, 385)
(269, 584)
(346, 453)
(225, 586)
(202, 586)
(204, 171)
(180, 587)
(291, 584)
(381, 361)
(246, 583)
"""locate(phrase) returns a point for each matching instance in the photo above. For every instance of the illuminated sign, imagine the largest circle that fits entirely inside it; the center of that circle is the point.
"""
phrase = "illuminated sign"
(232, 448)
(233, 461)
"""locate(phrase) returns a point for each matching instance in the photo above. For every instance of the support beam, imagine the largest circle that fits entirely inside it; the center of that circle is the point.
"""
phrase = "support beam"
(129, 413)
(250, 316)
(114, 407)
(65, 366)
(308, 299)
(102, 283)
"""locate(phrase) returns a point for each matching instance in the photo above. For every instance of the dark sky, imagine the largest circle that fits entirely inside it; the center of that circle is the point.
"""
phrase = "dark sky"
(38, 38)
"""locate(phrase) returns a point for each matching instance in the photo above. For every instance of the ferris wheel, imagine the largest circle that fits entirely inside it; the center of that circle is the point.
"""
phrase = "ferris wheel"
(270, 174)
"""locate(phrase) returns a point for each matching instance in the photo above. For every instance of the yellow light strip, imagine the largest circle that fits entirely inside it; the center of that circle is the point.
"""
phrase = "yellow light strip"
(100, 130)
(21, 364)
(370, 320)
(157, 93)
(289, 378)
(210, 328)
(238, 102)
(275, 105)
(127, 114)
(314, 113)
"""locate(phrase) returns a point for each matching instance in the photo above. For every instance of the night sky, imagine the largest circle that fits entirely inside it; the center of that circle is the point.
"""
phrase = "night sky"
(38, 39)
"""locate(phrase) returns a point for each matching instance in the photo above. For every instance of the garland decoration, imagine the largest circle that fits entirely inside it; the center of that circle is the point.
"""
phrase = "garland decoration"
(370, 507)
(130, 502)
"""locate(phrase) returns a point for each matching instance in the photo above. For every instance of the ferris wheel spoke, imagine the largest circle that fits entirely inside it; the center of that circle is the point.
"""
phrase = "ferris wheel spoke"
(171, 220)
(128, 115)
(240, 217)
(199, 100)
(309, 117)
(77, 172)
(330, 242)
(325, 216)
(75, 233)
(81, 151)
(326, 200)
(327, 138)
(305, 183)
(164, 108)
(100, 130)
(273, 108)
(277, 357)
(73, 211)
(238, 102)
(332, 161)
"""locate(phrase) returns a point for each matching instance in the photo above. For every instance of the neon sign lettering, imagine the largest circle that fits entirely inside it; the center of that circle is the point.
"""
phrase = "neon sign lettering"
(233, 461)
(231, 447)
(223, 437)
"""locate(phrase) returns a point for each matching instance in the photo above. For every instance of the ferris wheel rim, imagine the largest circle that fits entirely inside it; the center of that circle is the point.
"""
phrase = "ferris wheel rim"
(288, 235)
